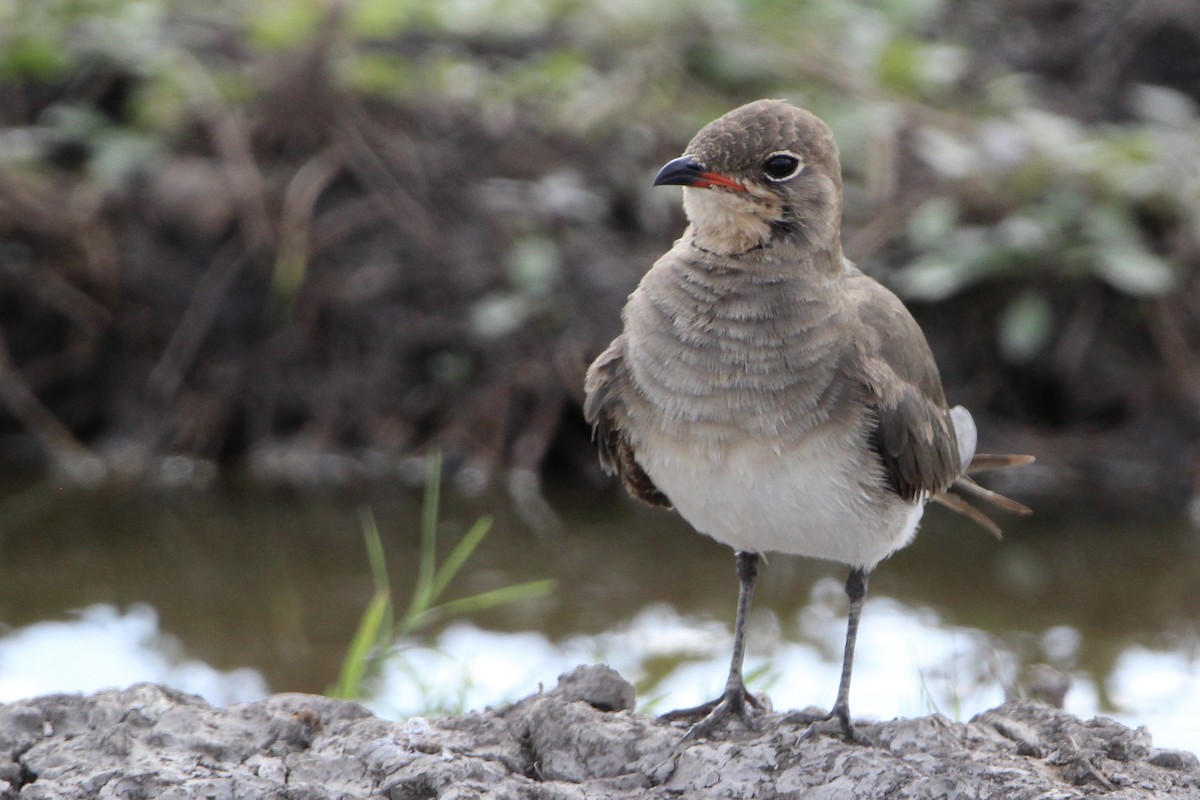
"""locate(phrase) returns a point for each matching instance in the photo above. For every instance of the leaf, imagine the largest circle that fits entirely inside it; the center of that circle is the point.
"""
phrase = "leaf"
(950, 155)
(930, 278)
(375, 556)
(281, 24)
(963, 256)
(499, 314)
(496, 597)
(1023, 233)
(385, 19)
(374, 636)
(33, 56)
(119, 154)
(381, 74)
(423, 596)
(364, 647)
(533, 264)
(1024, 327)
(1120, 257)
(459, 555)
(900, 64)
(1136, 271)
(932, 221)
(1164, 106)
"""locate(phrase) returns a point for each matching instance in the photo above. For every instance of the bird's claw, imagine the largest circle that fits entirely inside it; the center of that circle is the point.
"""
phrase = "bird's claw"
(835, 723)
(735, 702)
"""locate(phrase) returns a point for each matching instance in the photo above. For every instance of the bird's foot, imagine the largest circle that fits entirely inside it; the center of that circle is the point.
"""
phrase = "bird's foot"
(735, 702)
(835, 723)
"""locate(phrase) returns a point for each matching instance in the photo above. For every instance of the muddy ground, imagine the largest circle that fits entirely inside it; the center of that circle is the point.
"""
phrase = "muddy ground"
(579, 740)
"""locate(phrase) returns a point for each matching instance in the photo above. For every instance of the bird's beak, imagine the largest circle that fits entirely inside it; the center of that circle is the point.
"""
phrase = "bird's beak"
(683, 171)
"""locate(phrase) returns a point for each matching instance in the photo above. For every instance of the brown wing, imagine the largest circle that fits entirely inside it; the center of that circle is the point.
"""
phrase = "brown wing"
(605, 384)
(913, 432)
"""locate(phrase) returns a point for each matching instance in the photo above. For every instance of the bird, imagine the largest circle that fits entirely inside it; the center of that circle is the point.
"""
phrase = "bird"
(775, 396)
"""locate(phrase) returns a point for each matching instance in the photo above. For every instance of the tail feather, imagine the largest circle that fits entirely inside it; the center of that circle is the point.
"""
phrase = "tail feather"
(956, 503)
(981, 462)
(968, 486)
(986, 462)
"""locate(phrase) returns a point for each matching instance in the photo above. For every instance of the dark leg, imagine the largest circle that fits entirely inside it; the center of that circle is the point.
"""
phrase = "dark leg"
(856, 590)
(735, 700)
(747, 572)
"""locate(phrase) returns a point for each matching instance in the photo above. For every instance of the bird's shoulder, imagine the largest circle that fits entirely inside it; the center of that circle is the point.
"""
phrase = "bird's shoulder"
(912, 430)
(605, 388)
(890, 339)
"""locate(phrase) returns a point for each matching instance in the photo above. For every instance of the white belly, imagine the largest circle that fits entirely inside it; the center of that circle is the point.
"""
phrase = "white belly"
(819, 499)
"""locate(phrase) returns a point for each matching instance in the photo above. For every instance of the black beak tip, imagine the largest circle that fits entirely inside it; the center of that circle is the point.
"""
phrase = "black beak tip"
(680, 171)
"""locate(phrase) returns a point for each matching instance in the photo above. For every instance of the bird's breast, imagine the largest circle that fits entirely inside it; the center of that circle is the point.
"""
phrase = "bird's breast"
(716, 358)
(742, 413)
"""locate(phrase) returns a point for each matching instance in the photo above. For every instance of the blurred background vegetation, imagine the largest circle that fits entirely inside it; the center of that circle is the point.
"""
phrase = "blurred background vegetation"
(313, 240)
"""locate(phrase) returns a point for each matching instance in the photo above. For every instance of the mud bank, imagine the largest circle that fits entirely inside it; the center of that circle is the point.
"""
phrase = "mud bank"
(262, 264)
(579, 740)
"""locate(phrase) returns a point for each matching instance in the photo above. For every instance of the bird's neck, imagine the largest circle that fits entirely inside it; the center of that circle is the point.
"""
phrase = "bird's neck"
(760, 231)
(725, 224)
(795, 260)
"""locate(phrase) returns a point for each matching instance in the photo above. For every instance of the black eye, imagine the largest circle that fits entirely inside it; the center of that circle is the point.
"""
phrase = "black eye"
(781, 166)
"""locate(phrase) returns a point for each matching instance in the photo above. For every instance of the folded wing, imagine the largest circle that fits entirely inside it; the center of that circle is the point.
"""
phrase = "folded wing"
(603, 408)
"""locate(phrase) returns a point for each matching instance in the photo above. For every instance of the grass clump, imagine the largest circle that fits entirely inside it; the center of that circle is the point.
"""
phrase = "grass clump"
(381, 635)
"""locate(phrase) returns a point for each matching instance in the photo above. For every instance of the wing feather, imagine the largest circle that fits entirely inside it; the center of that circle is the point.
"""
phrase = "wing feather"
(606, 382)
(916, 436)
(913, 434)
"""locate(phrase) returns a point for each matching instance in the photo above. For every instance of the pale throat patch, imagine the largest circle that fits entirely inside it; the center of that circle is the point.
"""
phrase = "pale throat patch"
(729, 222)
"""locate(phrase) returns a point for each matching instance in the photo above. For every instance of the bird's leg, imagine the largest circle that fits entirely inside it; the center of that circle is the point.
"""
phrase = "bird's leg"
(735, 700)
(747, 571)
(856, 591)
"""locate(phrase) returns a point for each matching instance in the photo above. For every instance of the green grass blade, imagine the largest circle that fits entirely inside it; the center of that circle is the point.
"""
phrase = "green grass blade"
(494, 598)
(459, 555)
(423, 597)
(365, 647)
(376, 559)
(374, 547)
(375, 635)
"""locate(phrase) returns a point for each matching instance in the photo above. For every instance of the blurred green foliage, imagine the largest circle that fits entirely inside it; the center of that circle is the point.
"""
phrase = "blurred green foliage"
(993, 187)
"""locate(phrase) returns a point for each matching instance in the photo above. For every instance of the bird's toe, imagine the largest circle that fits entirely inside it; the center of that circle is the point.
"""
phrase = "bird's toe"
(736, 702)
(834, 723)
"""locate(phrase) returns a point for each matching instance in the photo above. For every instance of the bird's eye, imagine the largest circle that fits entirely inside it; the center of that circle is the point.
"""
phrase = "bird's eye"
(781, 166)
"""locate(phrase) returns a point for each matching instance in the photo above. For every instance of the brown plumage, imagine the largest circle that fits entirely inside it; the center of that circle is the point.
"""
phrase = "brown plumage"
(774, 395)
(603, 408)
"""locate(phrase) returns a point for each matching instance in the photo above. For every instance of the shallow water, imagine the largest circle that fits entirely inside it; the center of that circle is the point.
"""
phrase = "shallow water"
(237, 592)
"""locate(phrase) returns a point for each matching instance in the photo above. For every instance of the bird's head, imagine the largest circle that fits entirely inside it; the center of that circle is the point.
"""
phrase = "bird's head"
(765, 175)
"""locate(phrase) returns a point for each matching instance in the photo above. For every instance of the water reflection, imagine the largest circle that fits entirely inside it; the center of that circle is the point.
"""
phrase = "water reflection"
(101, 648)
(909, 664)
(232, 594)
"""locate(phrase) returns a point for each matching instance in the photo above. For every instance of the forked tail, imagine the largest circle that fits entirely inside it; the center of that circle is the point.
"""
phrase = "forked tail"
(983, 462)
